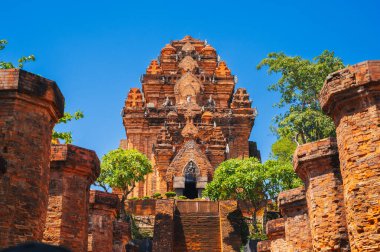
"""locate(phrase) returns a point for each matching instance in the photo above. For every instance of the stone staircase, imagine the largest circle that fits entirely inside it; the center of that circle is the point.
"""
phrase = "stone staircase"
(197, 226)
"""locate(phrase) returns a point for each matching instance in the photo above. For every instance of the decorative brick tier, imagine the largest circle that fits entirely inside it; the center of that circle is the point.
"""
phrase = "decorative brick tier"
(292, 205)
(317, 164)
(30, 105)
(352, 98)
(121, 235)
(103, 210)
(73, 169)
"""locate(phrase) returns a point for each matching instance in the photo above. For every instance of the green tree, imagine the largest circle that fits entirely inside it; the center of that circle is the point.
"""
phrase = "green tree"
(67, 135)
(122, 169)
(21, 61)
(248, 179)
(299, 86)
(283, 149)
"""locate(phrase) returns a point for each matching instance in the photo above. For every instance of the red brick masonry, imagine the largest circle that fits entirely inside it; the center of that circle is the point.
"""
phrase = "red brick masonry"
(30, 105)
(73, 169)
(103, 209)
(317, 164)
(352, 98)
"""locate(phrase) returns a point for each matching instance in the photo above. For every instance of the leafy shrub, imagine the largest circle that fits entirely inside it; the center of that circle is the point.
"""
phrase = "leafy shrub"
(170, 195)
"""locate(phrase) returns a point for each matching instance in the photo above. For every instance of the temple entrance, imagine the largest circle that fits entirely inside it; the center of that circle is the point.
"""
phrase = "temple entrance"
(190, 190)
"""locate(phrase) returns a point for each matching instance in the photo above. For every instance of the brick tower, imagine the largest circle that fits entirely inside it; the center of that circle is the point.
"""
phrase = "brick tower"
(187, 119)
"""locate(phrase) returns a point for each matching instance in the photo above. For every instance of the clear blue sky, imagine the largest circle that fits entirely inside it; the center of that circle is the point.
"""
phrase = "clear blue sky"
(97, 50)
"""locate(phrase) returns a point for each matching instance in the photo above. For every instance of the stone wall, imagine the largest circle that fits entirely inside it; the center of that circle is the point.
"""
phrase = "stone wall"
(317, 164)
(275, 230)
(230, 225)
(103, 209)
(30, 105)
(73, 170)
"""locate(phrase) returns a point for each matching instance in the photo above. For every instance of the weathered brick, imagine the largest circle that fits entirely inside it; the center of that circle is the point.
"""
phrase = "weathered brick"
(275, 230)
(317, 164)
(292, 205)
(264, 246)
(164, 226)
(73, 169)
(230, 225)
(352, 98)
(121, 235)
(103, 209)
(30, 105)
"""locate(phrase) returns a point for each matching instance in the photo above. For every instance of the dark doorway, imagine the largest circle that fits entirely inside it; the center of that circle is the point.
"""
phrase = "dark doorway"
(190, 190)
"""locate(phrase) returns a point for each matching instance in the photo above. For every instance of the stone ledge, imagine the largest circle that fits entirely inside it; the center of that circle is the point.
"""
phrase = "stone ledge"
(292, 198)
(275, 228)
(20, 81)
(108, 200)
(75, 159)
(349, 82)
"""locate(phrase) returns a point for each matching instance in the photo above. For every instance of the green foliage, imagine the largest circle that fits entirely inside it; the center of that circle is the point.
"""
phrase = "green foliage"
(157, 195)
(145, 197)
(248, 179)
(283, 149)
(122, 169)
(170, 194)
(182, 197)
(299, 86)
(21, 61)
(67, 117)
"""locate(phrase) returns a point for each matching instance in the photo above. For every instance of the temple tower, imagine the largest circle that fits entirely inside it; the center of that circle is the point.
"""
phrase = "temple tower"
(187, 118)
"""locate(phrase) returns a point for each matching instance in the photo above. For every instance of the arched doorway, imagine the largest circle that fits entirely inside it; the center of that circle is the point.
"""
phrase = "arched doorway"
(190, 190)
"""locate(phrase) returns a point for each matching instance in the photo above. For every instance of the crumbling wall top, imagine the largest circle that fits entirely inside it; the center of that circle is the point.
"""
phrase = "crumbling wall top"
(99, 199)
(34, 85)
(275, 228)
(346, 83)
(292, 198)
(75, 159)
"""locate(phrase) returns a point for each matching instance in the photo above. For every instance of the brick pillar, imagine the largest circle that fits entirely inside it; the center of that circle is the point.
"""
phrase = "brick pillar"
(103, 210)
(121, 235)
(30, 105)
(292, 205)
(73, 169)
(276, 234)
(317, 164)
(164, 226)
(263, 246)
(230, 225)
(352, 98)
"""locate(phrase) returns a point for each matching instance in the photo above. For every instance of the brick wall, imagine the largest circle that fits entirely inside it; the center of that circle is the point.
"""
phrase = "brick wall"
(197, 226)
(292, 204)
(73, 169)
(352, 98)
(230, 225)
(122, 234)
(103, 209)
(317, 164)
(30, 105)
(164, 226)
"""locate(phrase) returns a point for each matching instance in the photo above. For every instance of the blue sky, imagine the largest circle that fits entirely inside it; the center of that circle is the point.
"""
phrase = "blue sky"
(97, 50)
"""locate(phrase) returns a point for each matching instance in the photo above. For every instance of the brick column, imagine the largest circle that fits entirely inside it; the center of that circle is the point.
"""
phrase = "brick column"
(352, 98)
(103, 210)
(230, 225)
(317, 164)
(263, 246)
(121, 235)
(73, 169)
(276, 234)
(292, 205)
(30, 105)
(164, 226)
